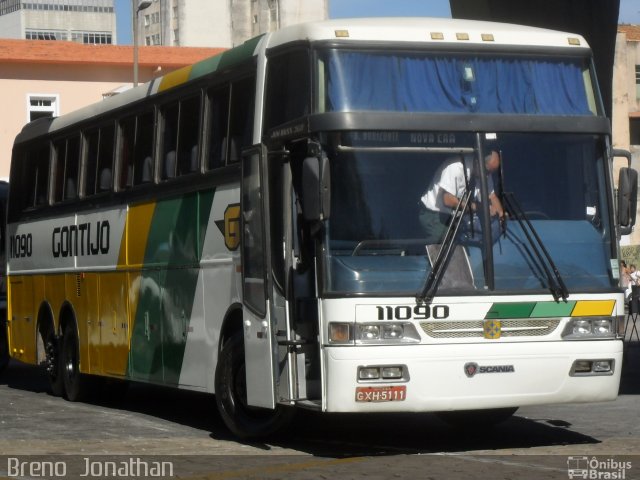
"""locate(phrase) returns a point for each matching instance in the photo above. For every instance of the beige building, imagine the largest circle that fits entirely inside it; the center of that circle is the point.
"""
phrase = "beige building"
(51, 78)
(226, 23)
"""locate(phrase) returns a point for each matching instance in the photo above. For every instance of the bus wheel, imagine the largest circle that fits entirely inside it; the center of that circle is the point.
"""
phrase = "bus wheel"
(231, 396)
(74, 382)
(52, 364)
(470, 419)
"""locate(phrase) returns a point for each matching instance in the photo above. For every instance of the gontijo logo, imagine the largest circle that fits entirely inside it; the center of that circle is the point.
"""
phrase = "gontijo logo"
(230, 226)
(80, 240)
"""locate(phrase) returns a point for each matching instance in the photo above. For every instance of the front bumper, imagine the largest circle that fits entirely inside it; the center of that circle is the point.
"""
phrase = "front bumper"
(437, 380)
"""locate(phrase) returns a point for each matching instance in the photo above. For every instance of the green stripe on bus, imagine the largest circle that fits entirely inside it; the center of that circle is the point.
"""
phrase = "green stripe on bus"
(240, 53)
(530, 310)
(552, 309)
(175, 243)
(510, 310)
(205, 67)
(225, 59)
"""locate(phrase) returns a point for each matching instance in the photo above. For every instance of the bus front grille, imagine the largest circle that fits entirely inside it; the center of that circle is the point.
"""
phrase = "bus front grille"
(510, 328)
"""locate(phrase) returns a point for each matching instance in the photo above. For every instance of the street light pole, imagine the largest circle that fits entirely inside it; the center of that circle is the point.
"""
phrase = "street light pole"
(136, 7)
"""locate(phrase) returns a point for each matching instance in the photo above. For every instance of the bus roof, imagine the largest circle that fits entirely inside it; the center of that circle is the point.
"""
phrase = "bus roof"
(426, 30)
(395, 29)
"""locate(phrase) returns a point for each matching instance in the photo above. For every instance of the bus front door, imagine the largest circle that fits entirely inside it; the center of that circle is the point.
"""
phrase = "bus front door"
(259, 337)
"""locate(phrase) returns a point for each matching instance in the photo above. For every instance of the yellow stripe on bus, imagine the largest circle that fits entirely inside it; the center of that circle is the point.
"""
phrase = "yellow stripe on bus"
(589, 308)
(138, 226)
(175, 78)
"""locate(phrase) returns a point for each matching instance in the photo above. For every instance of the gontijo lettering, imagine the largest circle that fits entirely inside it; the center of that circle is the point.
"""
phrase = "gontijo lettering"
(80, 240)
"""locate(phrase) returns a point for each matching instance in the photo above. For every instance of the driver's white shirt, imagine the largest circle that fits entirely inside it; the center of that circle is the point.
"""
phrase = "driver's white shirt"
(450, 178)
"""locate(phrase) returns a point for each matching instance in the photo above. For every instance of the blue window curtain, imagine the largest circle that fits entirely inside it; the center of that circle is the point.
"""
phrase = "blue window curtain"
(358, 81)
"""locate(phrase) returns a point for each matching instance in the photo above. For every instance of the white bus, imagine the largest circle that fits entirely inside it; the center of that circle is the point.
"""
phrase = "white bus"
(250, 227)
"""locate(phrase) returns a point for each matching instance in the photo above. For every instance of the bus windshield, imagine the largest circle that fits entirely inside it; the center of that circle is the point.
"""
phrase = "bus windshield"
(454, 83)
(377, 241)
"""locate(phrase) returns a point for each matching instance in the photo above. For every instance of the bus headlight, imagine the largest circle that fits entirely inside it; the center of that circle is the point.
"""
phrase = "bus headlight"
(386, 333)
(369, 332)
(392, 331)
(603, 326)
(582, 328)
(342, 333)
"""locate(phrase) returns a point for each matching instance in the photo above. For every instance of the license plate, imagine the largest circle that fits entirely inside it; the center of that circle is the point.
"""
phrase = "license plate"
(381, 394)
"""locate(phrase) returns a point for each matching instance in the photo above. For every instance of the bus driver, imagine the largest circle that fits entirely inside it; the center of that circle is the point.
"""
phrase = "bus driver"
(446, 190)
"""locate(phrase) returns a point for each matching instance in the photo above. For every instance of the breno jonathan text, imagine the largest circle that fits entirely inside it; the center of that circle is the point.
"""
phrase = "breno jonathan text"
(134, 467)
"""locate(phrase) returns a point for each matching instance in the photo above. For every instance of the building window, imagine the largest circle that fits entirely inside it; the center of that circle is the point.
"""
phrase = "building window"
(42, 106)
(92, 38)
(634, 131)
(45, 35)
(9, 6)
(637, 82)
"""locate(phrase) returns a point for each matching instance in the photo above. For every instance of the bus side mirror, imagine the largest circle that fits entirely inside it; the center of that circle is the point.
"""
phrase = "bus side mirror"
(627, 194)
(316, 188)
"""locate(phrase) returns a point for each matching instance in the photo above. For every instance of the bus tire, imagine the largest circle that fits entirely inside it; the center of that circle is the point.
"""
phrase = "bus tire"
(472, 419)
(75, 383)
(52, 364)
(243, 420)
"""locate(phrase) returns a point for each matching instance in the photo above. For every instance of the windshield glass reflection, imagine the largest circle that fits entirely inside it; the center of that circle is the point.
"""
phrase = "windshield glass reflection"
(378, 241)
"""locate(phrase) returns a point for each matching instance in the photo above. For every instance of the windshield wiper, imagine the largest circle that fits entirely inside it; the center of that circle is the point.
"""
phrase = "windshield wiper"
(557, 285)
(446, 249)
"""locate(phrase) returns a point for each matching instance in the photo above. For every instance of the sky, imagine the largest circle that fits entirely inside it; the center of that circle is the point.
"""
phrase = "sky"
(629, 11)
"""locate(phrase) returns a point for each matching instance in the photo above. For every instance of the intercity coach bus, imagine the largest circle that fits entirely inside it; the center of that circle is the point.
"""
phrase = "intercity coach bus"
(250, 227)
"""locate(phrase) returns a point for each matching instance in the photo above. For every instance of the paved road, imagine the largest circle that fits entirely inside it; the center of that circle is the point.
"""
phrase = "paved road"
(152, 423)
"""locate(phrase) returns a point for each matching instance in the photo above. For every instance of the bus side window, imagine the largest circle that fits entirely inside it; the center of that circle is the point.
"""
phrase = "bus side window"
(30, 169)
(143, 157)
(67, 162)
(92, 139)
(170, 115)
(22, 198)
(217, 125)
(60, 150)
(288, 88)
(104, 170)
(41, 176)
(188, 135)
(241, 122)
(126, 153)
(181, 131)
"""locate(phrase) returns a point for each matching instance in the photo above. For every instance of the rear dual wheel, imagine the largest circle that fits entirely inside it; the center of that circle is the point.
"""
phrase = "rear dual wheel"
(52, 364)
(75, 383)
